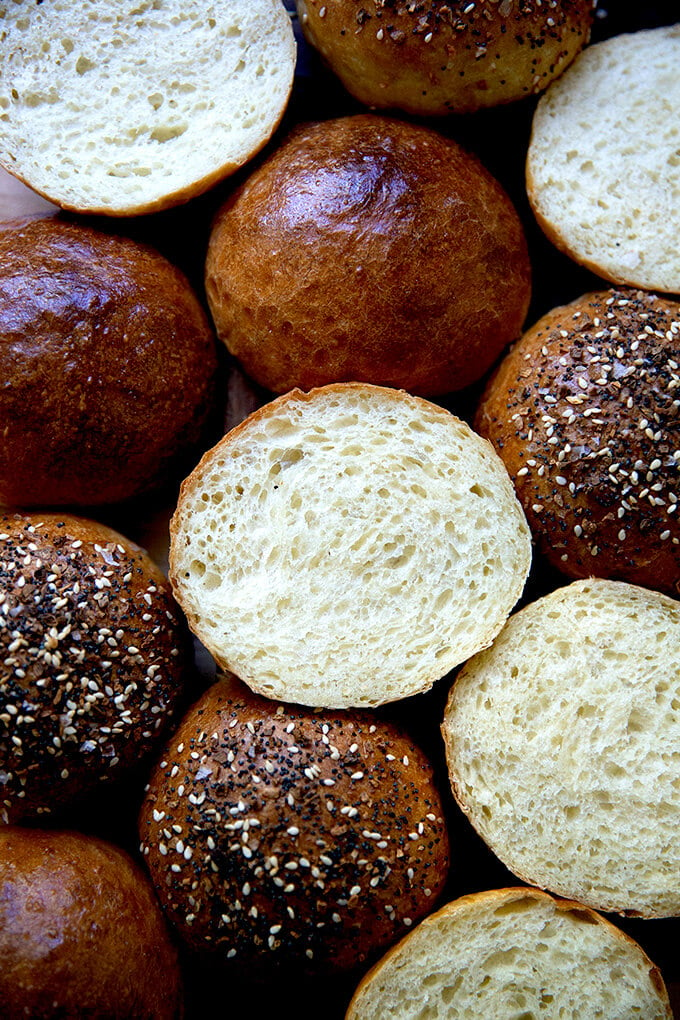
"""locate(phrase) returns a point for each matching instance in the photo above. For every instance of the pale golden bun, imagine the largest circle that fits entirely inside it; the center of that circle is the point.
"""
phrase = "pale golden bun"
(94, 657)
(107, 360)
(438, 57)
(370, 249)
(138, 108)
(81, 933)
(510, 953)
(584, 414)
(278, 837)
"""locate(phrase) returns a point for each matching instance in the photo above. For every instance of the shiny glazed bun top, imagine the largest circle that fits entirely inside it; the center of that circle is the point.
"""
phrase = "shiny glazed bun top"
(107, 360)
(433, 57)
(368, 249)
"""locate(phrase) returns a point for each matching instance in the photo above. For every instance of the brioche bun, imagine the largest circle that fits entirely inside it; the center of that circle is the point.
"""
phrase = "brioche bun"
(603, 169)
(510, 953)
(107, 359)
(435, 57)
(93, 651)
(136, 108)
(281, 837)
(585, 413)
(81, 933)
(369, 249)
(347, 546)
(561, 742)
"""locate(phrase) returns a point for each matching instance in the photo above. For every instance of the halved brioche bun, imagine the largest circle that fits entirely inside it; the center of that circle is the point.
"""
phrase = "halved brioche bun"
(509, 954)
(134, 107)
(562, 746)
(348, 546)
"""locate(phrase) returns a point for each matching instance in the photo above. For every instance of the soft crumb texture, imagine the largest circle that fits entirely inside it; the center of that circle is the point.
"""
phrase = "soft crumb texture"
(603, 169)
(562, 745)
(348, 546)
(93, 652)
(513, 954)
(434, 57)
(585, 413)
(135, 106)
(282, 837)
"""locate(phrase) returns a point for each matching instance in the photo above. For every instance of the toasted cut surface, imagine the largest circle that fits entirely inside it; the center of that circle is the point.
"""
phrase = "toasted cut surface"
(348, 546)
(512, 954)
(603, 168)
(562, 746)
(139, 105)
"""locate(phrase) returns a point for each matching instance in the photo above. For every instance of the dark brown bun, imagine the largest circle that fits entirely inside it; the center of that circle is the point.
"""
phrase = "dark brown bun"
(107, 361)
(93, 652)
(585, 413)
(435, 57)
(368, 249)
(81, 933)
(279, 836)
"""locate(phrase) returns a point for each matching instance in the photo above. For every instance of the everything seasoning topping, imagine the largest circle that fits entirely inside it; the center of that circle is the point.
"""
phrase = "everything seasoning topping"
(90, 660)
(286, 829)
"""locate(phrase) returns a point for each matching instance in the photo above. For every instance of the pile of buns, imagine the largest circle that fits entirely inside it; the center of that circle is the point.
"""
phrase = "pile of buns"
(388, 710)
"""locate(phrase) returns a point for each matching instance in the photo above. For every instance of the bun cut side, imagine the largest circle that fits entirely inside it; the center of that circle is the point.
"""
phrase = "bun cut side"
(135, 107)
(511, 953)
(561, 742)
(348, 546)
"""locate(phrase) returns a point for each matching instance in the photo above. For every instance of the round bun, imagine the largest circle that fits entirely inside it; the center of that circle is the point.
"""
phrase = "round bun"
(107, 360)
(348, 546)
(368, 249)
(584, 413)
(511, 953)
(81, 933)
(438, 56)
(134, 110)
(603, 171)
(93, 652)
(562, 741)
(281, 837)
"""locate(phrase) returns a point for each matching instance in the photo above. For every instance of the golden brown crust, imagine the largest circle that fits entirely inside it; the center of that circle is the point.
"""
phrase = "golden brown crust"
(585, 413)
(81, 933)
(93, 652)
(435, 57)
(371, 249)
(282, 836)
(108, 362)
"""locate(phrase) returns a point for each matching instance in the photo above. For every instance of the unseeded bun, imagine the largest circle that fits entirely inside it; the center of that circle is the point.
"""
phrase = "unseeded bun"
(134, 109)
(81, 933)
(562, 744)
(603, 171)
(348, 546)
(93, 652)
(585, 413)
(368, 249)
(107, 360)
(279, 837)
(437, 57)
(511, 953)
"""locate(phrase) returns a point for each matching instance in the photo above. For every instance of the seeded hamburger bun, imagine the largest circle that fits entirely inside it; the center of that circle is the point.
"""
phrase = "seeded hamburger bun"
(93, 651)
(281, 837)
(603, 170)
(585, 413)
(562, 740)
(107, 359)
(435, 57)
(136, 109)
(347, 546)
(511, 953)
(366, 248)
(81, 933)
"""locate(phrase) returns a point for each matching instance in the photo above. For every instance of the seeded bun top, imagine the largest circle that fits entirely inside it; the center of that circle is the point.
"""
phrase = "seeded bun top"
(585, 413)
